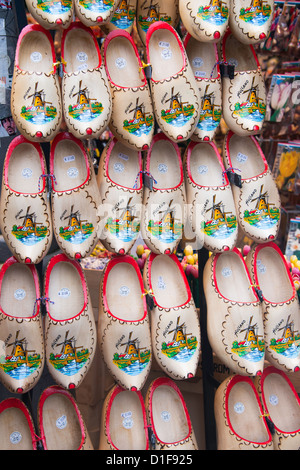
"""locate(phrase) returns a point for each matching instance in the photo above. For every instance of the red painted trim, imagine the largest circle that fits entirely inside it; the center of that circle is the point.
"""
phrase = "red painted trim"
(58, 259)
(272, 370)
(234, 250)
(112, 263)
(78, 25)
(185, 43)
(117, 33)
(18, 404)
(157, 138)
(233, 381)
(118, 389)
(66, 136)
(165, 381)
(160, 25)
(19, 140)
(272, 245)
(5, 267)
(33, 28)
(111, 145)
(149, 262)
(229, 33)
(56, 389)
(190, 149)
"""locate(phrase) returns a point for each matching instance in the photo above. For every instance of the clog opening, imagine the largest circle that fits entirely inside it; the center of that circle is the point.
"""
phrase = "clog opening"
(124, 166)
(244, 414)
(203, 59)
(123, 65)
(24, 169)
(15, 430)
(69, 166)
(126, 422)
(65, 292)
(272, 276)
(282, 403)
(164, 165)
(245, 156)
(80, 52)
(204, 166)
(165, 55)
(35, 55)
(168, 415)
(18, 291)
(239, 54)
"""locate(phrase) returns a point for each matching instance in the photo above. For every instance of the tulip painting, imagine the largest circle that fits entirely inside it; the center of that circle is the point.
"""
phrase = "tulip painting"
(280, 91)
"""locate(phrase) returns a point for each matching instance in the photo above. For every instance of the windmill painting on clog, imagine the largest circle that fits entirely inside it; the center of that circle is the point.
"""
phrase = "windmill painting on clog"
(95, 12)
(51, 14)
(123, 17)
(150, 11)
(250, 20)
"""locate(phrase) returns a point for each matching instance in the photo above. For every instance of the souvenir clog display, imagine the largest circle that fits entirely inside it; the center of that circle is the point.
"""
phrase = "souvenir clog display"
(52, 15)
(85, 89)
(36, 103)
(250, 21)
(95, 12)
(123, 421)
(60, 421)
(175, 326)
(234, 316)
(123, 327)
(120, 184)
(16, 426)
(240, 418)
(70, 330)
(21, 327)
(149, 12)
(25, 221)
(164, 199)
(281, 311)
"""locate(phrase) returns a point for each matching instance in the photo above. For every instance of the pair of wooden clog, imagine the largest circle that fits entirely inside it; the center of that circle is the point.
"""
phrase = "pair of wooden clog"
(264, 415)
(38, 103)
(253, 310)
(67, 339)
(124, 335)
(126, 419)
(142, 197)
(61, 425)
(27, 222)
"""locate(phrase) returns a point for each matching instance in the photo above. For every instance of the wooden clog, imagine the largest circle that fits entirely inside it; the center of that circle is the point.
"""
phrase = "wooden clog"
(148, 12)
(21, 332)
(243, 87)
(282, 406)
(234, 314)
(25, 220)
(209, 196)
(205, 20)
(256, 198)
(16, 426)
(280, 306)
(123, 421)
(168, 417)
(204, 60)
(164, 200)
(51, 15)
(175, 326)
(95, 12)
(175, 93)
(70, 331)
(85, 89)
(250, 21)
(123, 326)
(120, 184)
(132, 120)
(36, 104)
(123, 17)
(60, 421)
(240, 418)
(75, 197)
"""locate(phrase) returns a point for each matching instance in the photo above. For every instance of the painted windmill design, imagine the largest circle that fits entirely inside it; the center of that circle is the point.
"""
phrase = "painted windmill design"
(127, 217)
(179, 332)
(83, 96)
(175, 101)
(217, 211)
(19, 347)
(252, 97)
(68, 345)
(251, 335)
(208, 103)
(262, 201)
(288, 330)
(168, 217)
(139, 112)
(74, 218)
(132, 346)
(38, 98)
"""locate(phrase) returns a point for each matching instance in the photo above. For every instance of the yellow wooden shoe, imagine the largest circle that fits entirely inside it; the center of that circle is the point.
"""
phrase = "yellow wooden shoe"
(36, 104)
(123, 421)
(164, 214)
(234, 315)
(75, 197)
(123, 326)
(25, 220)
(175, 326)
(70, 331)
(120, 184)
(51, 15)
(16, 426)
(61, 424)
(85, 89)
(148, 12)
(21, 333)
(282, 406)
(250, 21)
(168, 417)
(95, 12)
(280, 305)
(240, 419)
